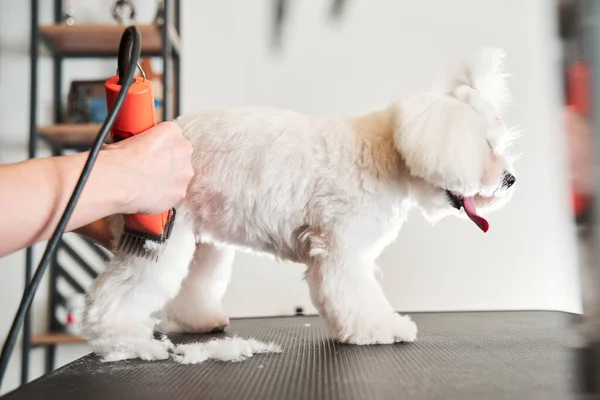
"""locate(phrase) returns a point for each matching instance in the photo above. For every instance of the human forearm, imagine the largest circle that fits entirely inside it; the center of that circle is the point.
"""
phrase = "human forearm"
(146, 174)
(34, 195)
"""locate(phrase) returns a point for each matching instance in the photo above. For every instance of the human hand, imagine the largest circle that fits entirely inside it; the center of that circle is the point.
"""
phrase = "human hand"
(154, 168)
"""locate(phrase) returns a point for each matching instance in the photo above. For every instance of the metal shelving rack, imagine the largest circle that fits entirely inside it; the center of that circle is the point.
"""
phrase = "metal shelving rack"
(65, 42)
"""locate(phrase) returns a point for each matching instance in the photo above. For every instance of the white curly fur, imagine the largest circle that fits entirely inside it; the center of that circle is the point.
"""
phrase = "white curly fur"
(327, 191)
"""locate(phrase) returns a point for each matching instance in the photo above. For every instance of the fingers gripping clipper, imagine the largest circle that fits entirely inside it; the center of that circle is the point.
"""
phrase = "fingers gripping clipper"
(143, 234)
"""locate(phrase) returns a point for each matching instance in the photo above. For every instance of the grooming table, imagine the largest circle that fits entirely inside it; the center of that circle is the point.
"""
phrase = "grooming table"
(461, 355)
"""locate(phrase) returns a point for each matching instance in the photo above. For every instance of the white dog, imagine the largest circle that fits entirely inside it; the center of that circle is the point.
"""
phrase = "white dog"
(329, 192)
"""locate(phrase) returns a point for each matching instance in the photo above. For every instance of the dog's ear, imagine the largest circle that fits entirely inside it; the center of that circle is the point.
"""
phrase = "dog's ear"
(443, 141)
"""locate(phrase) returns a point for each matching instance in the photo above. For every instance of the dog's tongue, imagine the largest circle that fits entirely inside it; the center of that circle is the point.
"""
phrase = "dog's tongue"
(471, 210)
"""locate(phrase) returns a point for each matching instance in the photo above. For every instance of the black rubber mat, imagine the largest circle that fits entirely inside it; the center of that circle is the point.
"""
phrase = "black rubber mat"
(475, 355)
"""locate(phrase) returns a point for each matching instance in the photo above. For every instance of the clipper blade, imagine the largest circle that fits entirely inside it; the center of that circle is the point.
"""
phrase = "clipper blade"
(144, 245)
(140, 246)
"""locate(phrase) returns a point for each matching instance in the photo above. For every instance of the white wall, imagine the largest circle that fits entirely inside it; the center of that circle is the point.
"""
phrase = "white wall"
(380, 51)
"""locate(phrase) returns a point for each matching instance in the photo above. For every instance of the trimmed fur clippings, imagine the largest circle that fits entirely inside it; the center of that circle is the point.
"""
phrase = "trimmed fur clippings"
(233, 349)
(330, 192)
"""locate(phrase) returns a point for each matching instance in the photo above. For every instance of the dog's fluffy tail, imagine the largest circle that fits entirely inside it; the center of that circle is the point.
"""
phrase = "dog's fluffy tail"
(481, 82)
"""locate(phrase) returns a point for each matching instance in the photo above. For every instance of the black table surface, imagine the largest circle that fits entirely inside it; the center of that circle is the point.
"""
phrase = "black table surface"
(459, 355)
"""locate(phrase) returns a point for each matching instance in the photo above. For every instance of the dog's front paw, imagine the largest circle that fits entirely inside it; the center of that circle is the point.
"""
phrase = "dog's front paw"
(199, 321)
(124, 348)
(383, 330)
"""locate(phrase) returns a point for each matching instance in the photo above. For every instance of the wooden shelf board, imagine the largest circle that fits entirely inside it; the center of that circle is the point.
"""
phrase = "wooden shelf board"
(102, 39)
(74, 135)
(55, 338)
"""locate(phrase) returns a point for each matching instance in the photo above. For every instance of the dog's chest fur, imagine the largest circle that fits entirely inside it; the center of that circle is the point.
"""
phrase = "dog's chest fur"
(295, 186)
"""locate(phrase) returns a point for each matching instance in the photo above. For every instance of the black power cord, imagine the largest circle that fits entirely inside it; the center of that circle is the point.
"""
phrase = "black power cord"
(129, 55)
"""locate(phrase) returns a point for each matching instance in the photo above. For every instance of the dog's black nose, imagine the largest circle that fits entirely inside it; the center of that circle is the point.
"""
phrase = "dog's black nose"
(509, 180)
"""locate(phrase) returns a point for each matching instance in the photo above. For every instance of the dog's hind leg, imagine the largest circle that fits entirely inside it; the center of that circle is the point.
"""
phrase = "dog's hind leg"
(344, 290)
(117, 320)
(197, 307)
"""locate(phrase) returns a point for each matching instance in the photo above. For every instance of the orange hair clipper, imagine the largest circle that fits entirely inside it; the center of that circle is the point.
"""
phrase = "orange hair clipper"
(137, 115)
